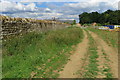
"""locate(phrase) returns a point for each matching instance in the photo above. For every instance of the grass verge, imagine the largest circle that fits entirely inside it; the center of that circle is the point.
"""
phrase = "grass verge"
(38, 55)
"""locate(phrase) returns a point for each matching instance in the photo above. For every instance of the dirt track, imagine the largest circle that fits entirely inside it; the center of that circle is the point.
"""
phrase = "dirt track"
(76, 62)
(111, 53)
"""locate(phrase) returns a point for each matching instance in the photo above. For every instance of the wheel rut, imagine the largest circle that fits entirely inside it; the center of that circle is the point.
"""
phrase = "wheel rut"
(75, 62)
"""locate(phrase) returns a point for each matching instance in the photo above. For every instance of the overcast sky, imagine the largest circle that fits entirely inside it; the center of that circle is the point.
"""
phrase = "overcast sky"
(46, 9)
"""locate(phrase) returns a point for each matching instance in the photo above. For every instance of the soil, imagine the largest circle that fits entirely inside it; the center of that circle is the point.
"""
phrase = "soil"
(111, 54)
(75, 60)
(76, 63)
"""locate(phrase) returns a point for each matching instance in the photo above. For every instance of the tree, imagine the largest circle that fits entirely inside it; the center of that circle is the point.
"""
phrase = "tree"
(74, 22)
(94, 16)
(107, 17)
(84, 18)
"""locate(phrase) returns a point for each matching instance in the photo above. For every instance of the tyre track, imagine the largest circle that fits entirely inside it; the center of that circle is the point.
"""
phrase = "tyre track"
(111, 53)
(75, 62)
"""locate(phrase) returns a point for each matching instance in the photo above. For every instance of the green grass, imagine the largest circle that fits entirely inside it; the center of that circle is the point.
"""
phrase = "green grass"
(91, 69)
(110, 37)
(107, 69)
(41, 55)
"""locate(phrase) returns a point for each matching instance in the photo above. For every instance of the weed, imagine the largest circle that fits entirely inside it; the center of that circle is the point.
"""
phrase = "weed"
(91, 70)
(107, 70)
(40, 53)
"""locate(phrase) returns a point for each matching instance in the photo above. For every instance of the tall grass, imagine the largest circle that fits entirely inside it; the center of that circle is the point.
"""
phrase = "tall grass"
(40, 55)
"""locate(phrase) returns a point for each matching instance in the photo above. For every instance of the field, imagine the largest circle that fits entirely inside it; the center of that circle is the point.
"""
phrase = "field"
(39, 55)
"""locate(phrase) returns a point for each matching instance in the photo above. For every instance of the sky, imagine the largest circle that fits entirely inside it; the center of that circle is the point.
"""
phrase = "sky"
(47, 9)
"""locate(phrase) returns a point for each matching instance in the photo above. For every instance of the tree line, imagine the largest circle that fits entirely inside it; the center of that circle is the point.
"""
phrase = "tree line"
(108, 17)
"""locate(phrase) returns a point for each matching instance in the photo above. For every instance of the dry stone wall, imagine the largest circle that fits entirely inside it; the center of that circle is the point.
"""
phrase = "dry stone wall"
(14, 26)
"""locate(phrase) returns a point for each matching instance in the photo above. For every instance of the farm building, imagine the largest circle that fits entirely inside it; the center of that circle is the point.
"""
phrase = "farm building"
(116, 26)
(109, 26)
(103, 28)
(112, 26)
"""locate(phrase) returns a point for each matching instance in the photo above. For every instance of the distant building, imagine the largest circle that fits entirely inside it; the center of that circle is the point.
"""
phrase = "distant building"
(78, 24)
(94, 24)
(110, 27)
(116, 26)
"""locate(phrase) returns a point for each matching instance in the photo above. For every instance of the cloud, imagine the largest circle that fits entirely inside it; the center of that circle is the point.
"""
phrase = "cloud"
(11, 7)
(51, 0)
(48, 10)
(92, 1)
(64, 10)
(89, 6)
